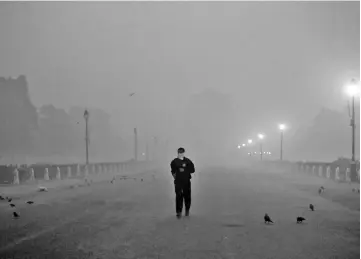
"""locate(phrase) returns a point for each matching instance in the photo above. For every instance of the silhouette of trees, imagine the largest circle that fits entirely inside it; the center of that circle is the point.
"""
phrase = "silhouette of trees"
(63, 133)
(327, 138)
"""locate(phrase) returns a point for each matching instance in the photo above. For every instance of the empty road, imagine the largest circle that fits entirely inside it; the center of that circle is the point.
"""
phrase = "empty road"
(136, 219)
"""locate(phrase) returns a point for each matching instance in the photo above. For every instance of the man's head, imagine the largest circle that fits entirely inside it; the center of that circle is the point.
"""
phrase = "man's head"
(181, 153)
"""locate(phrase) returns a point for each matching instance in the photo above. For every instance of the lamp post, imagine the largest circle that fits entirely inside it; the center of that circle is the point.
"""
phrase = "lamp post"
(261, 137)
(86, 117)
(282, 128)
(353, 89)
(155, 149)
(249, 145)
(135, 132)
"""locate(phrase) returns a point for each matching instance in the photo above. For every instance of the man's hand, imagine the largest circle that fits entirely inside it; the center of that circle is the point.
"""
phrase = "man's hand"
(173, 176)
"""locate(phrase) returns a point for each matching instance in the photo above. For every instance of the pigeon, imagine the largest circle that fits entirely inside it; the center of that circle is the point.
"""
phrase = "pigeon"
(16, 215)
(29, 202)
(10, 199)
(267, 219)
(141, 179)
(300, 219)
(312, 207)
(131, 94)
(2, 198)
(321, 190)
(43, 189)
(12, 205)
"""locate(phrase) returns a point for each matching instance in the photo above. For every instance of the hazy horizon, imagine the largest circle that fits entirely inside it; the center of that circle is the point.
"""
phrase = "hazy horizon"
(277, 61)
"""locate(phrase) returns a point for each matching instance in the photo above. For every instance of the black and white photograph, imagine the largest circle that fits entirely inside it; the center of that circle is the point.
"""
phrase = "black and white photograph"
(180, 129)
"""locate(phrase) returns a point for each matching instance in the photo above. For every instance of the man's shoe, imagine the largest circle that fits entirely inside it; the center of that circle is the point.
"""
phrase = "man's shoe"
(179, 215)
(187, 213)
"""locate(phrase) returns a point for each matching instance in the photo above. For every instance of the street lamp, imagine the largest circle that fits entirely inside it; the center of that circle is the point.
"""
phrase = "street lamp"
(243, 145)
(261, 137)
(249, 145)
(353, 89)
(282, 127)
(86, 117)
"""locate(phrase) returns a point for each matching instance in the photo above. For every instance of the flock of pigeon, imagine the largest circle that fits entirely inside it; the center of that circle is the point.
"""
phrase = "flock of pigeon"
(12, 205)
(267, 218)
(16, 215)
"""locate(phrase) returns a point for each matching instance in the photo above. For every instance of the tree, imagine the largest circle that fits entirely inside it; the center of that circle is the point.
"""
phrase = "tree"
(56, 133)
(327, 138)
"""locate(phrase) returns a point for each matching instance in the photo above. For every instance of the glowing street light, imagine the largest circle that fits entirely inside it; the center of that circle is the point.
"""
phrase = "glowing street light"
(353, 89)
(243, 145)
(250, 141)
(239, 147)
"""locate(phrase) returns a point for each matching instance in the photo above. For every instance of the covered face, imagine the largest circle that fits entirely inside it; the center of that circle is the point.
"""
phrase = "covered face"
(181, 152)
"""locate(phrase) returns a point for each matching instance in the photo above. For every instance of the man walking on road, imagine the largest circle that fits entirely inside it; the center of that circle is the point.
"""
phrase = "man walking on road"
(182, 168)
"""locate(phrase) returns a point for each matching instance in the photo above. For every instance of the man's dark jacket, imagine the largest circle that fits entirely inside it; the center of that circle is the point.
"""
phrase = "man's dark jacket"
(188, 169)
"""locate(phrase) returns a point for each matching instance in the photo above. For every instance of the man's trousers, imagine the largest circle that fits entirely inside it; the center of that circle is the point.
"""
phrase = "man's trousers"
(183, 192)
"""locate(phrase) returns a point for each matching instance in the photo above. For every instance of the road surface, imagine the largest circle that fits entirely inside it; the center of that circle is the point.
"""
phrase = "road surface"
(136, 219)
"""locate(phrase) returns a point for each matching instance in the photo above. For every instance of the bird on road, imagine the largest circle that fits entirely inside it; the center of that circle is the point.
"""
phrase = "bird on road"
(131, 94)
(12, 205)
(43, 189)
(312, 207)
(300, 219)
(10, 199)
(16, 215)
(2, 198)
(141, 179)
(267, 219)
(321, 190)
(29, 202)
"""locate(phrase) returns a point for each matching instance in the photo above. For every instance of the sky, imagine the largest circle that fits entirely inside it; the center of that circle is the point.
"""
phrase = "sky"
(279, 61)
